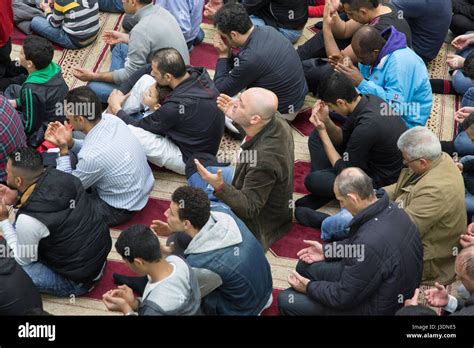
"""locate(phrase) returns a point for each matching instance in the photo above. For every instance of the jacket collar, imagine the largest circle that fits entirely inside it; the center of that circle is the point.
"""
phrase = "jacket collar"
(144, 11)
(364, 100)
(368, 213)
(270, 126)
(434, 165)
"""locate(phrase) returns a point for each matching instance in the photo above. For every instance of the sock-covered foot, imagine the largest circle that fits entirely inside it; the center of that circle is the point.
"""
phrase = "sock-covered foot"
(440, 86)
(309, 217)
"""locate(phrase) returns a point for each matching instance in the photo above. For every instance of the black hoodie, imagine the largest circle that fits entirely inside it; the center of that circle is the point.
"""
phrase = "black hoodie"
(287, 14)
(18, 294)
(189, 116)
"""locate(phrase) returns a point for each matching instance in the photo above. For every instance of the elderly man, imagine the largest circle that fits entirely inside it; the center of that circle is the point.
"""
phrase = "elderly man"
(379, 261)
(262, 188)
(422, 190)
(391, 71)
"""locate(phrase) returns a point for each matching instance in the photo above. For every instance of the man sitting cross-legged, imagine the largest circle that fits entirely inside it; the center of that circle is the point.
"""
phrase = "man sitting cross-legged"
(232, 271)
(188, 120)
(367, 139)
(171, 289)
(365, 274)
(261, 191)
(59, 236)
(111, 161)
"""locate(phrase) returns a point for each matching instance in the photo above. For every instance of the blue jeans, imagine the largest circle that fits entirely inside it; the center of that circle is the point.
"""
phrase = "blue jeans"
(115, 6)
(49, 282)
(336, 226)
(461, 82)
(103, 89)
(291, 34)
(196, 180)
(57, 35)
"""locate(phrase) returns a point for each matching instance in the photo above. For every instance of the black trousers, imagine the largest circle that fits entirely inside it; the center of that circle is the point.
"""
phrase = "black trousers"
(112, 216)
(291, 302)
(315, 48)
(320, 181)
(461, 24)
(9, 72)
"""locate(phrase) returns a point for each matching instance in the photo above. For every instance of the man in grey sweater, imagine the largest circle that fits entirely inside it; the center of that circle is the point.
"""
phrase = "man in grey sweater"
(156, 28)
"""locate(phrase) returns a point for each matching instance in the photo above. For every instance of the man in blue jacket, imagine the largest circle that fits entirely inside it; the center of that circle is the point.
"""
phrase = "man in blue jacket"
(391, 71)
(371, 272)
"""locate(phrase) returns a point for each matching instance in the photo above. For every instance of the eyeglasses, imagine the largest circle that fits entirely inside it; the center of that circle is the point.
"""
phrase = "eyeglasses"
(405, 162)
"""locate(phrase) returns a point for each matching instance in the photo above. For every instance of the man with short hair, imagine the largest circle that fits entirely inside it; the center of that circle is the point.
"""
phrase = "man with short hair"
(39, 97)
(367, 140)
(262, 188)
(422, 190)
(334, 41)
(366, 273)
(189, 120)
(111, 161)
(59, 236)
(156, 29)
(71, 24)
(263, 61)
(171, 289)
(391, 71)
(208, 236)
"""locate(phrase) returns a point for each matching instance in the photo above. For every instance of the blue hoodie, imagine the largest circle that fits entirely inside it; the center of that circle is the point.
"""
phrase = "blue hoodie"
(400, 78)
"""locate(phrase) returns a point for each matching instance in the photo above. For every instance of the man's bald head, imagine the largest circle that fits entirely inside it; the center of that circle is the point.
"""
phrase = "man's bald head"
(356, 181)
(367, 43)
(465, 267)
(261, 102)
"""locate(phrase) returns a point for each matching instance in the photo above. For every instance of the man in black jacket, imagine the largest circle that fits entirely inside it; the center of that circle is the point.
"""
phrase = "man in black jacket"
(380, 263)
(18, 294)
(266, 60)
(286, 16)
(189, 120)
(368, 140)
(58, 237)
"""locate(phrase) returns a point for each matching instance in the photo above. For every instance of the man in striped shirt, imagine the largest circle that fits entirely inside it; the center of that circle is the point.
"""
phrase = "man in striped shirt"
(111, 161)
(72, 24)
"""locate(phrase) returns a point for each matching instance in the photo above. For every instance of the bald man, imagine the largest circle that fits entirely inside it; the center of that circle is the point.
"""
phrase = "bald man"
(365, 274)
(391, 71)
(262, 188)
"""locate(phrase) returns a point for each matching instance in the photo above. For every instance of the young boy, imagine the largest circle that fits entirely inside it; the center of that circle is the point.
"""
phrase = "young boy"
(145, 97)
(172, 288)
(39, 97)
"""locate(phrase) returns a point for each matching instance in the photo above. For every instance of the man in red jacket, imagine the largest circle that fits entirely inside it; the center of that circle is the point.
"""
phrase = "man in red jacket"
(7, 68)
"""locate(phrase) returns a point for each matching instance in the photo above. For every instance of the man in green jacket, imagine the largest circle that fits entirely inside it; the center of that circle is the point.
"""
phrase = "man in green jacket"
(431, 191)
(40, 98)
(262, 188)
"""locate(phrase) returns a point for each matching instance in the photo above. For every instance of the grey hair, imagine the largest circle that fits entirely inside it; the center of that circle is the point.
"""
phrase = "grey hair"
(354, 180)
(420, 142)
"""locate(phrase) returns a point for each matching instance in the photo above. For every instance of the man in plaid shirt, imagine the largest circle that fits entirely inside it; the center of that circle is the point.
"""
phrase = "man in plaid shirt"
(12, 134)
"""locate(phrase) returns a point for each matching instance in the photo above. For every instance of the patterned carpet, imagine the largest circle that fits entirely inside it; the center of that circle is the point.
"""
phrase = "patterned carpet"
(283, 253)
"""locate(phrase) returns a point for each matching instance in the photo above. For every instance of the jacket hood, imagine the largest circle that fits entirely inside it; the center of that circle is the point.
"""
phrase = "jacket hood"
(44, 75)
(220, 231)
(7, 264)
(199, 85)
(395, 41)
